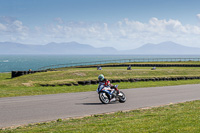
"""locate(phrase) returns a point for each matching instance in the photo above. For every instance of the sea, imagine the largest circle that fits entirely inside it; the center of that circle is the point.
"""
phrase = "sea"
(10, 63)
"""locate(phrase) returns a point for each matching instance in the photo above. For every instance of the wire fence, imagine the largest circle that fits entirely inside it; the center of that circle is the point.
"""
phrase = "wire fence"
(119, 61)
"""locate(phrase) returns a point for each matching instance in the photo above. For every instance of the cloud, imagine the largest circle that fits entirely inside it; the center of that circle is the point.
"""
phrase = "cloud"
(12, 25)
(2, 27)
(59, 20)
(155, 26)
(80, 31)
(198, 16)
(7, 19)
(12, 29)
(123, 34)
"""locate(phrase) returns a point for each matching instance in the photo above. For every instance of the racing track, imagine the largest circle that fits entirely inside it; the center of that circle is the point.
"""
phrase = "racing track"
(16, 111)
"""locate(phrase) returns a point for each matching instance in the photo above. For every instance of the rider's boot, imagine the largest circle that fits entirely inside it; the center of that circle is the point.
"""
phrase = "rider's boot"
(118, 93)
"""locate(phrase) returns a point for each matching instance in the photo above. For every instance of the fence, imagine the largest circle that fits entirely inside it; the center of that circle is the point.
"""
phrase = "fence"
(120, 61)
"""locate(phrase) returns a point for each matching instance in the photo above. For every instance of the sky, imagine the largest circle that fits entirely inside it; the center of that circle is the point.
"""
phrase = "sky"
(122, 24)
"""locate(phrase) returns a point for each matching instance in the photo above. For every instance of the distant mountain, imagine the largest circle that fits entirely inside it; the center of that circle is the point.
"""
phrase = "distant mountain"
(164, 48)
(74, 48)
(53, 48)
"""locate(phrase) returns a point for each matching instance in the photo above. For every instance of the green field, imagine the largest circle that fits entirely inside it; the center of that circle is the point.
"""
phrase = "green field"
(183, 117)
(178, 118)
(72, 75)
(31, 84)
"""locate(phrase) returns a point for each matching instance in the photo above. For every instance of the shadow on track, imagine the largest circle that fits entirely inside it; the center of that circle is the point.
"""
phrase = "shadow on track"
(96, 103)
(91, 103)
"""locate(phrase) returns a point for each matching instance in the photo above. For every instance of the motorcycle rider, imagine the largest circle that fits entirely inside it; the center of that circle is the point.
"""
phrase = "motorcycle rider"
(105, 82)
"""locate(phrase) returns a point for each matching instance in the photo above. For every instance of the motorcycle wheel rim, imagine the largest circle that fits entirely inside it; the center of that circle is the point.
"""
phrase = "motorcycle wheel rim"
(104, 97)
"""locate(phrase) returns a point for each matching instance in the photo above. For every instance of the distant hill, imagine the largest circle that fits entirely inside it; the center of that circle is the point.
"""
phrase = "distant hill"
(53, 48)
(74, 48)
(164, 48)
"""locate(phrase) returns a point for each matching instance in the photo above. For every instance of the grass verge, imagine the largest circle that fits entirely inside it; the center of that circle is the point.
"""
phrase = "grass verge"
(182, 117)
(7, 91)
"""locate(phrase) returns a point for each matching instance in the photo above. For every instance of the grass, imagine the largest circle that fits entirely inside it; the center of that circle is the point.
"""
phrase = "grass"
(7, 91)
(30, 84)
(72, 75)
(182, 117)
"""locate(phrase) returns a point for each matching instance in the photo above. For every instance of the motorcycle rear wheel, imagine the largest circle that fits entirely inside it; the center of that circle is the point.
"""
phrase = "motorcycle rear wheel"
(104, 98)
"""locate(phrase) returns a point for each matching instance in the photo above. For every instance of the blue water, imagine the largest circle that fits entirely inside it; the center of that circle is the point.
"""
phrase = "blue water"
(25, 62)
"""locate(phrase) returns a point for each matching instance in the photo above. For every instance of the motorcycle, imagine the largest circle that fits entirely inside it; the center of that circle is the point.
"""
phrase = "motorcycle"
(107, 95)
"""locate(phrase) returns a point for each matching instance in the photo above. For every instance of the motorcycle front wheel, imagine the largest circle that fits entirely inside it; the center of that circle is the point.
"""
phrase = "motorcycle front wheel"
(104, 98)
(122, 98)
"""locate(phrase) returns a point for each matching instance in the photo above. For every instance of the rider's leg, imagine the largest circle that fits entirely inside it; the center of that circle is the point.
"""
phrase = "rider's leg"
(113, 87)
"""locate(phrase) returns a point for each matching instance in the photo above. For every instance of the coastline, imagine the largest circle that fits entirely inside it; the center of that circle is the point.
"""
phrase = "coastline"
(34, 62)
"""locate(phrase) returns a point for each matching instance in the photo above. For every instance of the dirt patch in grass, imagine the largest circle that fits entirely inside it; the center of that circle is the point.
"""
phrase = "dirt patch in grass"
(27, 84)
(62, 81)
(79, 74)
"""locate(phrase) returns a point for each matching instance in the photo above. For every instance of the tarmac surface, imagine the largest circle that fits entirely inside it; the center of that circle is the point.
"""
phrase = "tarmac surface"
(15, 111)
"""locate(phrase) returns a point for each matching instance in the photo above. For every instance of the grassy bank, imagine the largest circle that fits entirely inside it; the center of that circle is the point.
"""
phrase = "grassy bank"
(30, 84)
(72, 75)
(182, 117)
(7, 91)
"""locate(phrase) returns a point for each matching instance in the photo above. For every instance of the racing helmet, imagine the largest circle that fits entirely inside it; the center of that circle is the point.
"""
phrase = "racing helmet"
(101, 77)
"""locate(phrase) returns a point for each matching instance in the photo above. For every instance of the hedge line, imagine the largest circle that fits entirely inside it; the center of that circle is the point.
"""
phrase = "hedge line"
(125, 80)
(21, 73)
